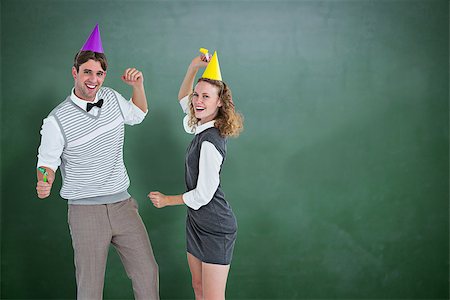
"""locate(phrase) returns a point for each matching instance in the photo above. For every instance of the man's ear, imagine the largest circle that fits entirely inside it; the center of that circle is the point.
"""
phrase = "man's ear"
(74, 73)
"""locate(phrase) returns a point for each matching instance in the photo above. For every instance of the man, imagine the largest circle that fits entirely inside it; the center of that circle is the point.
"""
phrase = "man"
(84, 135)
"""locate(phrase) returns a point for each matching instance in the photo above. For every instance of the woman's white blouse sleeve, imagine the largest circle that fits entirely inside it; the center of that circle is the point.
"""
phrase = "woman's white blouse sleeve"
(184, 106)
(208, 177)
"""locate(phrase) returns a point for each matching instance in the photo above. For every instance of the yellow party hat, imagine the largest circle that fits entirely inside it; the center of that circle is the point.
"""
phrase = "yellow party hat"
(213, 69)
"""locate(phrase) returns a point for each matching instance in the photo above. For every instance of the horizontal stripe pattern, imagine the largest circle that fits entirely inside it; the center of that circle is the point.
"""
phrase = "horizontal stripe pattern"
(92, 160)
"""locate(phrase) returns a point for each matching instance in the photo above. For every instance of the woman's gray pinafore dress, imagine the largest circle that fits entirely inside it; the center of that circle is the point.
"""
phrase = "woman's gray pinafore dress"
(212, 229)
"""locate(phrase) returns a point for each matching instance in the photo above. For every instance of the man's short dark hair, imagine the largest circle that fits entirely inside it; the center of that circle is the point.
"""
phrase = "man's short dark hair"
(83, 56)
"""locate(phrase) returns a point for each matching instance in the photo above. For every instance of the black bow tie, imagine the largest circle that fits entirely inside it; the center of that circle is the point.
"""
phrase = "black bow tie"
(99, 104)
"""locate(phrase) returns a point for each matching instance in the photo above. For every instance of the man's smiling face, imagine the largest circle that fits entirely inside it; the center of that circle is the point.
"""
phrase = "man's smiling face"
(88, 80)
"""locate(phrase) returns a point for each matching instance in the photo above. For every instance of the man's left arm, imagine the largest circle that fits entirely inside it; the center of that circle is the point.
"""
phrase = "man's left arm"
(135, 110)
(135, 78)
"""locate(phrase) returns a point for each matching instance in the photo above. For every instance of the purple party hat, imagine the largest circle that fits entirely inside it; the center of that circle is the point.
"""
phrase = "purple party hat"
(94, 42)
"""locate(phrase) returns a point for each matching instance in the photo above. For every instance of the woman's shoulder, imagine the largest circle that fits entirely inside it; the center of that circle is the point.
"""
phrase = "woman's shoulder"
(213, 136)
(212, 133)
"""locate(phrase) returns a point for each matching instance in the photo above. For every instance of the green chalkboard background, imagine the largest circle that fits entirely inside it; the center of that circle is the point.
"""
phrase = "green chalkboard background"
(340, 181)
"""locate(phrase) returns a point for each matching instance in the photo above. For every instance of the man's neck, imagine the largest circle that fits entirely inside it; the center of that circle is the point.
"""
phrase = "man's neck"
(87, 100)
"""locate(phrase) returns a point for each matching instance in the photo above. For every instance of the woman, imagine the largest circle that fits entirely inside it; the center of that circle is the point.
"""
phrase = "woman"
(211, 226)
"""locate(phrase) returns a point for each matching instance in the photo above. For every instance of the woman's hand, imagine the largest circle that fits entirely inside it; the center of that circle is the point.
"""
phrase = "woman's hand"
(158, 199)
(188, 82)
(199, 62)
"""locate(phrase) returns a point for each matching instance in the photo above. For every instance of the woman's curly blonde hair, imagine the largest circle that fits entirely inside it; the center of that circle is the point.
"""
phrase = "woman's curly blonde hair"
(228, 121)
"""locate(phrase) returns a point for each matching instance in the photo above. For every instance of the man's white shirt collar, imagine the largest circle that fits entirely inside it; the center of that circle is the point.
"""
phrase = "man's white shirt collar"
(80, 102)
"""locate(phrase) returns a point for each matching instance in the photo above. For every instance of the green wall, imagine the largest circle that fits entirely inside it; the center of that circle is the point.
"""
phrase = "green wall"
(340, 181)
